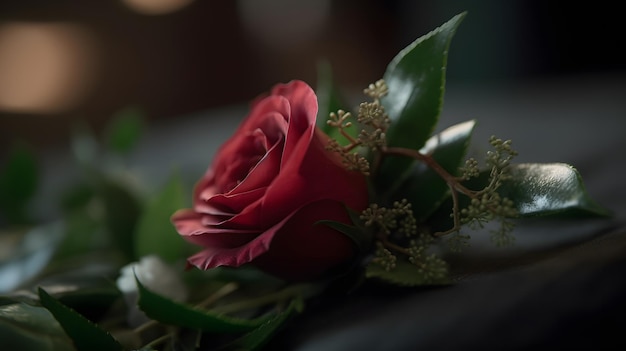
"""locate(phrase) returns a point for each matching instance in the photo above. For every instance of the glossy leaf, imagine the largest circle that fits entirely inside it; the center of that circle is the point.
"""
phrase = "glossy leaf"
(86, 335)
(422, 186)
(259, 337)
(548, 189)
(416, 81)
(19, 179)
(30, 328)
(404, 274)
(155, 233)
(171, 312)
(124, 130)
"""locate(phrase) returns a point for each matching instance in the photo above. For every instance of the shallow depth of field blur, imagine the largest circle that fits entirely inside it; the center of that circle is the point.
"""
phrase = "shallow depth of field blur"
(191, 67)
(69, 60)
(547, 74)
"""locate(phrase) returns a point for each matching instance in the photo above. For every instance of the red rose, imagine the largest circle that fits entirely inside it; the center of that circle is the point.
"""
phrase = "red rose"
(267, 187)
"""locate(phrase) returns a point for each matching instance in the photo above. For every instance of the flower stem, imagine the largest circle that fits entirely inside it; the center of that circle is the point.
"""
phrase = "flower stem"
(158, 341)
(389, 245)
(221, 292)
(306, 290)
(147, 325)
(451, 180)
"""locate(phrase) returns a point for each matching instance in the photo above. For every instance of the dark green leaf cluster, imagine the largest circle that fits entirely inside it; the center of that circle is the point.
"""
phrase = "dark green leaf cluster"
(430, 173)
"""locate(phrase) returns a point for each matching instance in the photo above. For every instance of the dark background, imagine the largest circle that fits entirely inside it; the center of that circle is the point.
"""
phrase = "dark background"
(215, 53)
(546, 74)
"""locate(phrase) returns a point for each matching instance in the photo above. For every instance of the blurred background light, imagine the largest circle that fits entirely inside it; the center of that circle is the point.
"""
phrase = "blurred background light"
(284, 24)
(66, 61)
(156, 7)
(45, 67)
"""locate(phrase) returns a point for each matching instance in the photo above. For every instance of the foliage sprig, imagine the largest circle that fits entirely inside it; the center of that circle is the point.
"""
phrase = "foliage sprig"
(395, 224)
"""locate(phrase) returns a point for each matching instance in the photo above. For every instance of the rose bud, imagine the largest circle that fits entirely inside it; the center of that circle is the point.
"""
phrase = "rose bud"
(266, 188)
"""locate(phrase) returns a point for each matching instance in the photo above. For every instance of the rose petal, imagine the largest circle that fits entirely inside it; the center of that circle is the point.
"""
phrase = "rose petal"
(264, 172)
(267, 187)
(212, 257)
(231, 204)
(327, 177)
(188, 222)
(302, 249)
(317, 177)
(222, 239)
(302, 105)
(302, 116)
(273, 107)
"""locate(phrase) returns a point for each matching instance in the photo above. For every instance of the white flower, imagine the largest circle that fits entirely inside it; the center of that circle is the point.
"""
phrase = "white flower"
(154, 274)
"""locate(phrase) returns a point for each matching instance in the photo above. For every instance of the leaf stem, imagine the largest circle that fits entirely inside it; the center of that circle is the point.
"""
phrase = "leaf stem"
(455, 214)
(430, 162)
(221, 292)
(143, 327)
(390, 245)
(353, 142)
(306, 290)
(451, 180)
(158, 341)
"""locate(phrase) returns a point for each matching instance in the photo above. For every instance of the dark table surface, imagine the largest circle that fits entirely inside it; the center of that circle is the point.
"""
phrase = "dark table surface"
(562, 285)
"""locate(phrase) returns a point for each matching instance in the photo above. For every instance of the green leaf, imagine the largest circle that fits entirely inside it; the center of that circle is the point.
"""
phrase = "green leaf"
(259, 337)
(124, 130)
(422, 186)
(416, 81)
(361, 237)
(91, 299)
(170, 312)
(549, 189)
(18, 183)
(24, 327)
(86, 335)
(155, 233)
(80, 234)
(122, 211)
(404, 274)
(546, 190)
(77, 196)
